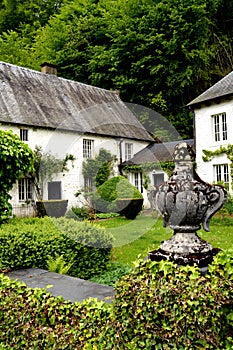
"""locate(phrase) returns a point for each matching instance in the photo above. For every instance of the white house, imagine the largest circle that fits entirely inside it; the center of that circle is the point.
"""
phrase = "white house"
(65, 117)
(213, 112)
(149, 165)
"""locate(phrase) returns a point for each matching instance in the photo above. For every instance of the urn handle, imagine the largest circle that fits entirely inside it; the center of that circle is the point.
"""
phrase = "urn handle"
(216, 197)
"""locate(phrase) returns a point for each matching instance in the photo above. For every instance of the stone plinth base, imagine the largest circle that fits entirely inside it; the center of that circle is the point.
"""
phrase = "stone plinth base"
(202, 260)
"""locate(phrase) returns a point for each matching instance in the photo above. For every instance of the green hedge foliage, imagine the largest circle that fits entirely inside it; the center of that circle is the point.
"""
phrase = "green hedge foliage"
(30, 242)
(33, 319)
(157, 306)
(118, 187)
(160, 306)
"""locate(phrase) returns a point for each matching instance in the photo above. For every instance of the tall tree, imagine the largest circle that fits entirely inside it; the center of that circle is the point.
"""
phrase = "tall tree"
(15, 14)
(157, 53)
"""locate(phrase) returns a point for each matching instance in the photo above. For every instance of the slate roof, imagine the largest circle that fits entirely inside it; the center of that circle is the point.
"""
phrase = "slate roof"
(156, 152)
(222, 88)
(32, 98)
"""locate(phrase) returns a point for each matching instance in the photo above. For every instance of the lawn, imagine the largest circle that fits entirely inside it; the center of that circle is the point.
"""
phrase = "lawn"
(134, 238)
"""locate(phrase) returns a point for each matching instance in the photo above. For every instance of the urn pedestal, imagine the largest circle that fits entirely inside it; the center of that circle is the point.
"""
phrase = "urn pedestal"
(185, 203)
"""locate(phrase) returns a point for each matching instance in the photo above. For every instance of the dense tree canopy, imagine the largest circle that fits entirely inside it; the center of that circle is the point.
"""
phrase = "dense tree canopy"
(159, 53)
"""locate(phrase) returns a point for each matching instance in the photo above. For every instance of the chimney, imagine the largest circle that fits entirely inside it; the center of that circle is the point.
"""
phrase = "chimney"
(117, 92)
(48, 68)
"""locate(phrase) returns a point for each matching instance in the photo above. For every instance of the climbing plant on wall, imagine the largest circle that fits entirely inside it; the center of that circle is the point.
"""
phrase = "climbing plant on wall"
(16, 160)
(228, 150)
(167, 167)
(98, 169)
(45, 166)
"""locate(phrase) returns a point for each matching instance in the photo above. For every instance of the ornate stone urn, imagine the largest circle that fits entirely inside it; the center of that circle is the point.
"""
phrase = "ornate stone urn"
(185, 203)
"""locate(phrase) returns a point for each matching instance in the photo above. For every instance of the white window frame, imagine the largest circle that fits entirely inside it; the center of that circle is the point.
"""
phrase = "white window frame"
(220, 127)
(138, 181)
(25, 189)
(88, 184)
(23, 134)
(221, 173)
(128, 151)
(88, 148)
(157, 174)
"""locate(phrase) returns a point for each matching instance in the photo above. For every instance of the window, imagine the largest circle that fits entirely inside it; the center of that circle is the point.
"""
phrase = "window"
(54, 190)
(128, 151)
(220, 127)
(88, 184)
(25, 189)
(158, 178)
(88, 148)
(138, 183)
(24, 134)
(221, 173)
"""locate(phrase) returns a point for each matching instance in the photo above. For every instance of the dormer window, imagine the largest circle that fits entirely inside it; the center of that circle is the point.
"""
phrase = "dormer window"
(24, 134)
(220, 127)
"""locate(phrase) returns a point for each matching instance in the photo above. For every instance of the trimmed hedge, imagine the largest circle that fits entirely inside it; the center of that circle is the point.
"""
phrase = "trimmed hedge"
(33, 319)
(30, 242)
(158, 306)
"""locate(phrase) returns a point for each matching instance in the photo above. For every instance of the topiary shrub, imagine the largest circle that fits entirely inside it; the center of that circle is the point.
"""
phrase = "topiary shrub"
(116, 195)
(29, 242)
(129, 207)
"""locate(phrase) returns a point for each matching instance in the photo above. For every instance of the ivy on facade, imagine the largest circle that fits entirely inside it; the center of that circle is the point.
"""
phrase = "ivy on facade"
(45, 166)
(98, 169)
(228, 150)
(167, 167)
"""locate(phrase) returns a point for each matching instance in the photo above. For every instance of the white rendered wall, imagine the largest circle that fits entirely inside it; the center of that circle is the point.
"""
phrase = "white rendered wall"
(204, 135)
(59, 143)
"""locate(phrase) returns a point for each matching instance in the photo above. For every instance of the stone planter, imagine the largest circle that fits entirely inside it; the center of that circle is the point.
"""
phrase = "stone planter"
(129, 207)
(53, 208)
(186, 202)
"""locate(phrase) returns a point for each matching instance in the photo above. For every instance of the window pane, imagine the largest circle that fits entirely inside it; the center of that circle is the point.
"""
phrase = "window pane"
(226, 173)
(158, 179)
(216, 128)
(128, 151)
(136, 180)
(221, 173)
(88, 146)
(218, 173)
(224, 127)
(21, 189)
(29, 189)
(24, 134)
(25, 189)
(88, 184)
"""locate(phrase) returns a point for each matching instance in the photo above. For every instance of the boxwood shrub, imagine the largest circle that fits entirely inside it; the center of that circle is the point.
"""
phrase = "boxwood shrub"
(118, 195)
(157, 306)
(30, 242)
